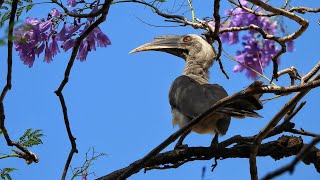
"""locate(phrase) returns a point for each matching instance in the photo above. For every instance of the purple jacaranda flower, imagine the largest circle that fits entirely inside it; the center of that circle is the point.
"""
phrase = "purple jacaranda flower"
(45, 25)
(91, 40)
(240, 18)
(31, 37)
(103, 40)
(83, 51)
(89, 43)
(26, 40)
(35, 37)
(95, 9)
(71, 3)
(68, 31)
(290, 46)
(230, 37)
(270, 49)
(61, 36)
(32, 21)
(54, 47)
(256, 56)
(257, 52)
(55, 13)
(39, 49)
(68, 44)
(48, 54)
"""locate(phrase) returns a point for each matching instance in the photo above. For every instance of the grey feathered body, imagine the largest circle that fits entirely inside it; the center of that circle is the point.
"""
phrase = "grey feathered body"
(188, 99)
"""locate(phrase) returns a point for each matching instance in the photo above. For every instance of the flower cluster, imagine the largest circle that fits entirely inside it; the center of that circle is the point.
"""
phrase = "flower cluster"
(37, 36)
(255, 55)
(257, 52)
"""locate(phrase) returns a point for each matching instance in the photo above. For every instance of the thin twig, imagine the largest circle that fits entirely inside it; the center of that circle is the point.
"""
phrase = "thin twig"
(215, 34)
(302, 132)
(275, 120)
(292, 72)
(311, 73)
(72, 14)
(303, 10)
(31, 157)
(104, 11)
(290, 115)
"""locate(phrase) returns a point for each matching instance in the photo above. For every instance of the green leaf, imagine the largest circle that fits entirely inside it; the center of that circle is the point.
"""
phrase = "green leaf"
(4, 17)
(5, 173)
(8, 2)
(28, 1)
(4, 7)
(19, 12)
(31, 138)
(29, 6)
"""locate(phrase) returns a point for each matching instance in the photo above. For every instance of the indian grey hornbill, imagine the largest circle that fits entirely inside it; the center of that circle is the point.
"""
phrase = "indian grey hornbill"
(190, 94)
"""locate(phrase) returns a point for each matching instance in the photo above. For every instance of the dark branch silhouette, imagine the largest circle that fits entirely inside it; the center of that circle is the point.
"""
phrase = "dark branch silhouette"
(104, 11)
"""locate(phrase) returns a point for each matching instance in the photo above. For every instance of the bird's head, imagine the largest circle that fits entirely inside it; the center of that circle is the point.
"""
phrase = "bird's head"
(190, 47)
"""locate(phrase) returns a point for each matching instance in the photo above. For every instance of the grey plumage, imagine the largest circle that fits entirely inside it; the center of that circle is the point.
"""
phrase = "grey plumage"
(188, 99)
(190, 94)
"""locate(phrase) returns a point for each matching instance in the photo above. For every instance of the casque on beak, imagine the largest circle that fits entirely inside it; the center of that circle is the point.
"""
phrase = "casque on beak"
(171, 44)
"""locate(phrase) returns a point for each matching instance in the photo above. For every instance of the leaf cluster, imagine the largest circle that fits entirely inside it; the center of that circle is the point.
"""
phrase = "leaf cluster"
(5, 173)
(31, 138)
(5, 9)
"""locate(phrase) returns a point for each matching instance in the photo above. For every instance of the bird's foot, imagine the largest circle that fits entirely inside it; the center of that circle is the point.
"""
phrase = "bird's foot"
(214, 143)
(179, 146)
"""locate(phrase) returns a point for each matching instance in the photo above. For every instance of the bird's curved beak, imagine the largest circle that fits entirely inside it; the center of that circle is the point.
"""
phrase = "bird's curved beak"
(167, 43)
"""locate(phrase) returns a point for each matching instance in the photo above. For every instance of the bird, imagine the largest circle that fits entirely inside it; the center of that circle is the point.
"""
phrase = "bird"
(191, 94)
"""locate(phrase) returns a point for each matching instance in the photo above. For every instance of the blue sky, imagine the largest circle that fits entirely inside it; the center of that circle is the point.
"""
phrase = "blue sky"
(118, 103)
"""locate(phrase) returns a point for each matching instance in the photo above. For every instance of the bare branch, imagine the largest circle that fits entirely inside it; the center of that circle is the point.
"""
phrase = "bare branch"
(29, 156)
(307, 77)
(292, 72)
(92, 14)
(105, 10)
(291, 114)
(290, 167)
(283, 147)
(174, 18)
(302, 132)
(304, 10)
(215, 34)
(275, 120)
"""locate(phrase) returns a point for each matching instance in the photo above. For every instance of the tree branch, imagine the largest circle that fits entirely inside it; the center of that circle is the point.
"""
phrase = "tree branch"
(285, 146)
(290, 167)
(30, 156)
(265, 131)
(105, 10)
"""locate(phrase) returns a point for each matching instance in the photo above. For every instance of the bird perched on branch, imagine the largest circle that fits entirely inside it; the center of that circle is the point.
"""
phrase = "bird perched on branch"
(191, 94)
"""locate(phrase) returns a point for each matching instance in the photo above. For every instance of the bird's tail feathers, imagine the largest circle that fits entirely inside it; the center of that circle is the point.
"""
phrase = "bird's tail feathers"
(239, 113)
(246, 105)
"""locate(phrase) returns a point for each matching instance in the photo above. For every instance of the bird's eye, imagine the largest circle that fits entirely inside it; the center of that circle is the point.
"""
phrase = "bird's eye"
(187, 39)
